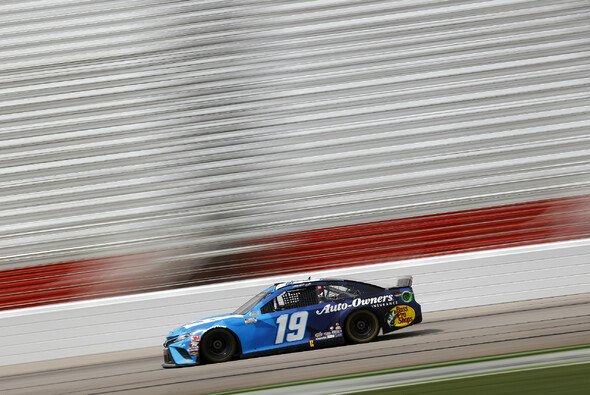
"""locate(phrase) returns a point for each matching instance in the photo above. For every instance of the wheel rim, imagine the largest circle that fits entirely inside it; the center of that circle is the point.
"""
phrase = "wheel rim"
(219, 345)
(362, 326)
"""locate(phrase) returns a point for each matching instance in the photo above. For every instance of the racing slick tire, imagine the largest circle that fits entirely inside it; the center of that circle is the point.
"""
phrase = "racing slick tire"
(361, 326)
(218, 345)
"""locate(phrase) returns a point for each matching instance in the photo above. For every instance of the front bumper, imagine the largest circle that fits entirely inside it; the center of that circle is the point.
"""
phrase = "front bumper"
(177, 357)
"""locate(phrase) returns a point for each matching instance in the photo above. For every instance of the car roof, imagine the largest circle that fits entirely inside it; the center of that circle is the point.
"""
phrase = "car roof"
(300, 283)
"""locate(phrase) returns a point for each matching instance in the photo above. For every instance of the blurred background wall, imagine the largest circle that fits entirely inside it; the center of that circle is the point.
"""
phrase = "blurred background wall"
(155, 144)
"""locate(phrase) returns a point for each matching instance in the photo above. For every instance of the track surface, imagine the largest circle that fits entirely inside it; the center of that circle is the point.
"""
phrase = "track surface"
(443, 336)
(442, 374)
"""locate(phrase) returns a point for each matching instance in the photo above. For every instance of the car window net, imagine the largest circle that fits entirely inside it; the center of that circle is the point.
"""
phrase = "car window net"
(297, 298)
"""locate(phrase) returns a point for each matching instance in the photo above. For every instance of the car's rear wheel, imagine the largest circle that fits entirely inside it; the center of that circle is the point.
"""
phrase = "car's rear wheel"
(361, 326)
(218, 345)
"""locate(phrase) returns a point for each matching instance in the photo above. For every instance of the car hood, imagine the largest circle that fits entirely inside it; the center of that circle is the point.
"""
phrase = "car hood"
(203, 324)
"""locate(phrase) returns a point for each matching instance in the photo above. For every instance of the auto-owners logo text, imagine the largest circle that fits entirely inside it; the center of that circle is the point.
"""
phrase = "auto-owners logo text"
(377, 301)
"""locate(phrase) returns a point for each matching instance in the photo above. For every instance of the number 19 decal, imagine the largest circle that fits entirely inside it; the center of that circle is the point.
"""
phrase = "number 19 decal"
(297, 323)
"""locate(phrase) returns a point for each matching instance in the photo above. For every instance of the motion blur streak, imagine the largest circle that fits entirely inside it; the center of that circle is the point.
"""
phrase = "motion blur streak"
(495, 227)
(158, 143)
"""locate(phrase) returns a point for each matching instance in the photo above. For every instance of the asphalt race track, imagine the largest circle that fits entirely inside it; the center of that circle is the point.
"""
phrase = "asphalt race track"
(443, 336)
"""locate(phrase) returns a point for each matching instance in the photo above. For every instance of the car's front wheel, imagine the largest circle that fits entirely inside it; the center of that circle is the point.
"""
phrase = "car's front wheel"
(361, 326)
(218, 345)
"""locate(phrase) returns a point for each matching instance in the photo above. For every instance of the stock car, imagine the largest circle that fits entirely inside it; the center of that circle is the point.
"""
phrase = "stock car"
(295, 316)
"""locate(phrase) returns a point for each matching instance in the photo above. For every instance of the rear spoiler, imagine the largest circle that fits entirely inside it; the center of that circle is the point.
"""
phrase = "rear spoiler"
(404, 282)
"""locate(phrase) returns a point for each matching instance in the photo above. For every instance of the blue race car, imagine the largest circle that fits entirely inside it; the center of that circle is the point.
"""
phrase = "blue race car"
(295, 316)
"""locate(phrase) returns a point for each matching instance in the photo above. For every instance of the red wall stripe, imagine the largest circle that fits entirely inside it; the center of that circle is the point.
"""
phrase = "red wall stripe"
(361, 244)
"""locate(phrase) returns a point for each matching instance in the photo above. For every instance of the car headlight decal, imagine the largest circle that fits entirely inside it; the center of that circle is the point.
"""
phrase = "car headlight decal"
(182, 337)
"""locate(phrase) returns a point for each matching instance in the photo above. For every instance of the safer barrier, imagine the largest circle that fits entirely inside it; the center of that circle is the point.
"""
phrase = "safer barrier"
(441, 283)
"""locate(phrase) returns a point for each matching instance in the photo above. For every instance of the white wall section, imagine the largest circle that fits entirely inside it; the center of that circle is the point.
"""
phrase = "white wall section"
(440, 283)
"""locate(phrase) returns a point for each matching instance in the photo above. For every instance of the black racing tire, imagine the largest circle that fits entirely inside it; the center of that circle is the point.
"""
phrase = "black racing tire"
(361, 326)
(218, 345)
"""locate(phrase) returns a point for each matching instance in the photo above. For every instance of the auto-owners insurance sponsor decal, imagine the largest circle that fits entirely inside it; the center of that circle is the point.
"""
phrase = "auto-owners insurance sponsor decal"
(377, 301)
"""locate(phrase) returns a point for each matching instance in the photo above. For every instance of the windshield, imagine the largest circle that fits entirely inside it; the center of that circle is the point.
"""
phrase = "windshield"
(251, 303)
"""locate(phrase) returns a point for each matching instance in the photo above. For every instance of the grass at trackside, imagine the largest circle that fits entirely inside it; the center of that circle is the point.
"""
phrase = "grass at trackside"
(570, 380)
(408, 368)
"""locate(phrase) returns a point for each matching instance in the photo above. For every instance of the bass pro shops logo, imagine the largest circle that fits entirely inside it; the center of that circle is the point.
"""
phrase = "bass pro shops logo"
(400, 316)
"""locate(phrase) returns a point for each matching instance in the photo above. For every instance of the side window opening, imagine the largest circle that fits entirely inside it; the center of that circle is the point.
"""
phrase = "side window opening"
(268, 308)
(332, 292)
